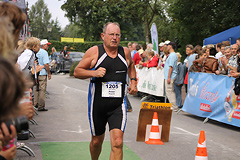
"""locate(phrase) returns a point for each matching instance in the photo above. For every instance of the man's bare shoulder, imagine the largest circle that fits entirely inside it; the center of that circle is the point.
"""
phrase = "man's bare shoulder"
(91, 52)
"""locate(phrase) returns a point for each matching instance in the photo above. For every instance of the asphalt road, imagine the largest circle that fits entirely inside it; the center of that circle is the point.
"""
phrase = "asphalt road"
(67, 121)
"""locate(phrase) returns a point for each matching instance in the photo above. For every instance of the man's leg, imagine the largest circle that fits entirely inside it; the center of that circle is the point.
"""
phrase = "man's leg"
(171, 93)
(36, 94)
(96, 146)
(116, 137)
(42, 91)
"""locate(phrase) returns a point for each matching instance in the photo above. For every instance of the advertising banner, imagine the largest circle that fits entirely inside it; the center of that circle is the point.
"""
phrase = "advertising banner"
(154, 36)
(212, 96)
(151, 81)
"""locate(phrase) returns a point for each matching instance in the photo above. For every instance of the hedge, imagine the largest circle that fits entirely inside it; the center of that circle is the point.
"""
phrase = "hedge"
(82, 47)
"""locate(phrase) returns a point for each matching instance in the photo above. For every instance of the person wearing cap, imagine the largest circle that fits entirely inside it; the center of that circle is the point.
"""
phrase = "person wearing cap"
(40, 92)
(161, 54)
(170, 73)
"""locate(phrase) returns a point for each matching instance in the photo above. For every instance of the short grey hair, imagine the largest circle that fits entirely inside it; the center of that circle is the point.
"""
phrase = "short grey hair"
(227, 47)
(105, 25)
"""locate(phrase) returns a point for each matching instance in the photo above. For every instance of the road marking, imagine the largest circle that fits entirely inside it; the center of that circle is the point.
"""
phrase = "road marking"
(78, 90)
(181, 129)
(79, 131)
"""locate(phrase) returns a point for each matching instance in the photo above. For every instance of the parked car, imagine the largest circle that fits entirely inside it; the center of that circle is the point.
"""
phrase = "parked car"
(63, 64)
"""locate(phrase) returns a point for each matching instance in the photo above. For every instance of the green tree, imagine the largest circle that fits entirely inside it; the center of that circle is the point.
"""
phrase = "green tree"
(91, 15)
(39, 19)
(56, 32)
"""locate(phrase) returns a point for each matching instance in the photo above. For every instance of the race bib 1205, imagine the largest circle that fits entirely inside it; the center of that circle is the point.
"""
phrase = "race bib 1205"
(112, 89)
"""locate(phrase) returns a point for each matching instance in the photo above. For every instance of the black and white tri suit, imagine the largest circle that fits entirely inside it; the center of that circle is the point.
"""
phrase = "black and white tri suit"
(111, 110)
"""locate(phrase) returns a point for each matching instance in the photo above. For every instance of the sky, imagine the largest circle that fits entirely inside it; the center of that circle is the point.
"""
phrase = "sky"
(54, 7)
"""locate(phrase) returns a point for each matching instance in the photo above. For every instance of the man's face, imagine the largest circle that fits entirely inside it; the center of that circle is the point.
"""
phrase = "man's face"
(222, 50)
(161, 48)
(228, 53)
(238, 43)
(112, 36)
(189, 51)
(234, 49)
(45, 46)
(207, 52)
(65, 48)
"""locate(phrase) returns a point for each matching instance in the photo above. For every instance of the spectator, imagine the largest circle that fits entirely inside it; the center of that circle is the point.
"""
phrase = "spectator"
(178, 83)
(65, 52)
(137, 57)
(226, 43)
(161, 47)
(191, 55)
(27, 58)
(222, 49)
(40, 91)
(238, 42)
(218, 48)
(134, 51)
(208, 47)
(53, 54)
(6, 41)
(130, 46)
(208, 64)
(170, 73)
(232, 63)
(234, 73)
(165, 56)
(12, 88)
(152, 60)
(20, 47)
(197, 49)
(15, 15)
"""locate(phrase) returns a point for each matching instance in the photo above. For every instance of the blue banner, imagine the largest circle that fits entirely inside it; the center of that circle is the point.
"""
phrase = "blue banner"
(212, 96)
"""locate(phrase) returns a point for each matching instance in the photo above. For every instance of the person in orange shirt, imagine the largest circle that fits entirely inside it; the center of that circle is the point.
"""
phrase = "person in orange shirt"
(152, 60)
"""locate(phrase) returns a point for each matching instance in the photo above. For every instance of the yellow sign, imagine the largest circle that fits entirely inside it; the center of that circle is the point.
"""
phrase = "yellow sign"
(155, 105)
(66, 39)
(78, 40)
(75, 40)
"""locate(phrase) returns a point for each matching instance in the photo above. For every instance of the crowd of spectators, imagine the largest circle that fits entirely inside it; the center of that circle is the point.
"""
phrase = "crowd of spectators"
(21, 70)
(220, 59)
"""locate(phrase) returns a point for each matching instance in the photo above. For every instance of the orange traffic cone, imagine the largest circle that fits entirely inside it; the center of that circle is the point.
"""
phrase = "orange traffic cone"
(201, 153)
(154, 137)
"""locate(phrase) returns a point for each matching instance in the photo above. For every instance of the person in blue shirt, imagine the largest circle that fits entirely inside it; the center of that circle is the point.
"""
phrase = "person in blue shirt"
(40, 89)
(170, 74)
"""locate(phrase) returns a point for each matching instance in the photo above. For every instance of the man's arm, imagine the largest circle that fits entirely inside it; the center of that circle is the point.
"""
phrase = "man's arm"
(48, 70)
(89, 60)
(131, 72)
(169, 74)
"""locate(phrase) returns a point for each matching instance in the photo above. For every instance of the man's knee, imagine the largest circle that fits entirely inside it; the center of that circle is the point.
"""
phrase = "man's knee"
(96, 142)
(117, 143)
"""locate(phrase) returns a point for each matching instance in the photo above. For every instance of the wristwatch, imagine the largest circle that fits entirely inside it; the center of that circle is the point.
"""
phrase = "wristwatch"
(135, 79)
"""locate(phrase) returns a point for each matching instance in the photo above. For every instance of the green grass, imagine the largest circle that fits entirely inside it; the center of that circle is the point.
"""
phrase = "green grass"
(79, 151)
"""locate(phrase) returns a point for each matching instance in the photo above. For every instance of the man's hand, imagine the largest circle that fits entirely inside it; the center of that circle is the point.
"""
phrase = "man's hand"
(168, 80)
(132, 89)
(233, 74)
(26, 109)
(140, 62)
(49, 76)
(100, 72)
(5, 136)
(217, 72)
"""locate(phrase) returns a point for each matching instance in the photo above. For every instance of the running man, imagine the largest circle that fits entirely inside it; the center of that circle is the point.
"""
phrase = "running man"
(107, 65)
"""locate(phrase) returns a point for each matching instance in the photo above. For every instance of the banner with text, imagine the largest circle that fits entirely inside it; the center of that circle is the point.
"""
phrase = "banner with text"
(212, 96)
(151, 81)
